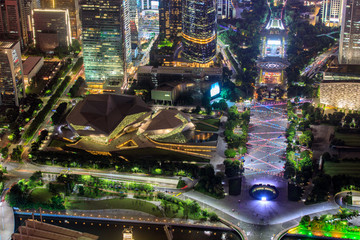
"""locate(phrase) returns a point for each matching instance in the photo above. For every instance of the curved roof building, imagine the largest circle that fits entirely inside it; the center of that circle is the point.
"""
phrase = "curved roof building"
(104, 116)
(199, 30)
(165, 123)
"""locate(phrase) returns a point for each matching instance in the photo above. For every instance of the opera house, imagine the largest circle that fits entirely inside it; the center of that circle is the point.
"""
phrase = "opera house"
(101, 118)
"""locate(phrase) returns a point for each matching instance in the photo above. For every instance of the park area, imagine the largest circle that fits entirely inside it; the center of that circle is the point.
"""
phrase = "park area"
(350, 139)
(351, 168)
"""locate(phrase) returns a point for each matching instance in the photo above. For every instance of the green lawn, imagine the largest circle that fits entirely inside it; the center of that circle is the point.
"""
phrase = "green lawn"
(117, 203)
(41, 195)
(204, 127)
(351, 140)
(349, 168)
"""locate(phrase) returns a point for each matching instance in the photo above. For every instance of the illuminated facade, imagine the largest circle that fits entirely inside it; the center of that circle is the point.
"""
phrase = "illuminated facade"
(199, 30)
(106, 41)
(225, 9)
(13, 20)
(72, 6)
(349, 49)
(340, 94)
(331, 12)
(51, 28)
(11, 74)
(170, 18)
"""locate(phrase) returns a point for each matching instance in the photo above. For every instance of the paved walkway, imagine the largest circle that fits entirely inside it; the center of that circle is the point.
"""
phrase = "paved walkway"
(7, 221)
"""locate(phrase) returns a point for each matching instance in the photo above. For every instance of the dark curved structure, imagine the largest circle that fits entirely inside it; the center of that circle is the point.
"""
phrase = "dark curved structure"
(199, 30)
(264, 192)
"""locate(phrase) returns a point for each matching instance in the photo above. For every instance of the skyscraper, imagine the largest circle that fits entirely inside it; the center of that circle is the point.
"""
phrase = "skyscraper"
(199, 30)
(331, 12)
(72, 6)
(13, 21)
(51, 28)
(170, 18)
(11, 73)
(349, 50)
(106, 41)
(225, 9)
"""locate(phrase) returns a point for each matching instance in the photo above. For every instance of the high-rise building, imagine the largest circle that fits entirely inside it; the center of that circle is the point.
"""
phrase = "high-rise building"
(106, 41)
(13, 20)
(72, 6)
(349, 49)
(225, 9)
(331, 12)
(11, 73)
(199, 30)
(170, 18)
(134, 10)
(51, 28)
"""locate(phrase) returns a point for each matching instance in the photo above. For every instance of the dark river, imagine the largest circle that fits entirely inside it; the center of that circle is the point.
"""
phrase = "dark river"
(112, 230)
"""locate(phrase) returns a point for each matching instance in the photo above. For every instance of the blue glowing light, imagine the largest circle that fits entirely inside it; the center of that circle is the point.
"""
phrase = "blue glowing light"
(263, 199)
(215, 89)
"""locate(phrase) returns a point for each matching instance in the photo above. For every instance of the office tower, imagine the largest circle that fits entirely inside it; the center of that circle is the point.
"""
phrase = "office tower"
(73, 7)
(13, 21)
(29, 6)
(349, 49)
(145, 5)
(51, 28)
(11, 73)
(199, 30)
(106, 41)
(225, 9)
(170, 18)
(134, 12)
(331, 12)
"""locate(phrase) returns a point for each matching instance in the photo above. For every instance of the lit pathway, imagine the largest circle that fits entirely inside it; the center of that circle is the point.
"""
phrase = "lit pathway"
(266, 144)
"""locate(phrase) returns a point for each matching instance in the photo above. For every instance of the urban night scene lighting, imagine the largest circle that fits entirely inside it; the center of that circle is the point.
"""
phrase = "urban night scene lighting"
(179, 119)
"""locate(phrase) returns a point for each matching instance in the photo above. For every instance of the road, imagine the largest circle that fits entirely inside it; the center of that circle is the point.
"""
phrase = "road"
(46, 124)
(311, 70)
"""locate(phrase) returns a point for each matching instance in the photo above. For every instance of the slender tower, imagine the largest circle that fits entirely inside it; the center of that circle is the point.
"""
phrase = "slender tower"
(199, 30)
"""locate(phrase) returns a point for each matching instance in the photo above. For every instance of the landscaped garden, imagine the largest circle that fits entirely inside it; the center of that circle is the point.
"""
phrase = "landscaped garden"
(69, 190)
(336, 226)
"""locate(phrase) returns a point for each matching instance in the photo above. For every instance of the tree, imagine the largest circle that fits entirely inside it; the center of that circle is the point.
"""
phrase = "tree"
(230, 153)
(75, 46)
(232, 168)
(194, 208)
(213, 217)
(36, 176)
(305, 221)
(16, 154)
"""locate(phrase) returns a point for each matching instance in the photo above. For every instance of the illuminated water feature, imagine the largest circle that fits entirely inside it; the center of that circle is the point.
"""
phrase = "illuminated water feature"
(112, 230)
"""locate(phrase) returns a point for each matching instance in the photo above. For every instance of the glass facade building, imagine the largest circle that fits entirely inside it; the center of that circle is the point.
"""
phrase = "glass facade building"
(51, 29)
(170, 18)
(11, 74)
(106, 41)
(199, 30)
(349, 50)
(72, 6)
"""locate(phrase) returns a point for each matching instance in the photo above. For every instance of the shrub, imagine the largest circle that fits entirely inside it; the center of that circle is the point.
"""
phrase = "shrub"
(230, 153)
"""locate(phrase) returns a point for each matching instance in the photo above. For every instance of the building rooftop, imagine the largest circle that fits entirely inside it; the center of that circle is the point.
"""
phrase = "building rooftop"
(7, 44)
(166, 119)
(30, 63)
(104, 112)
(347, 69)
(35, 230)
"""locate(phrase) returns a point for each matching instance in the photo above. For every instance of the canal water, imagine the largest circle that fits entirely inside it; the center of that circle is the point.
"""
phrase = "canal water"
(112, 230)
